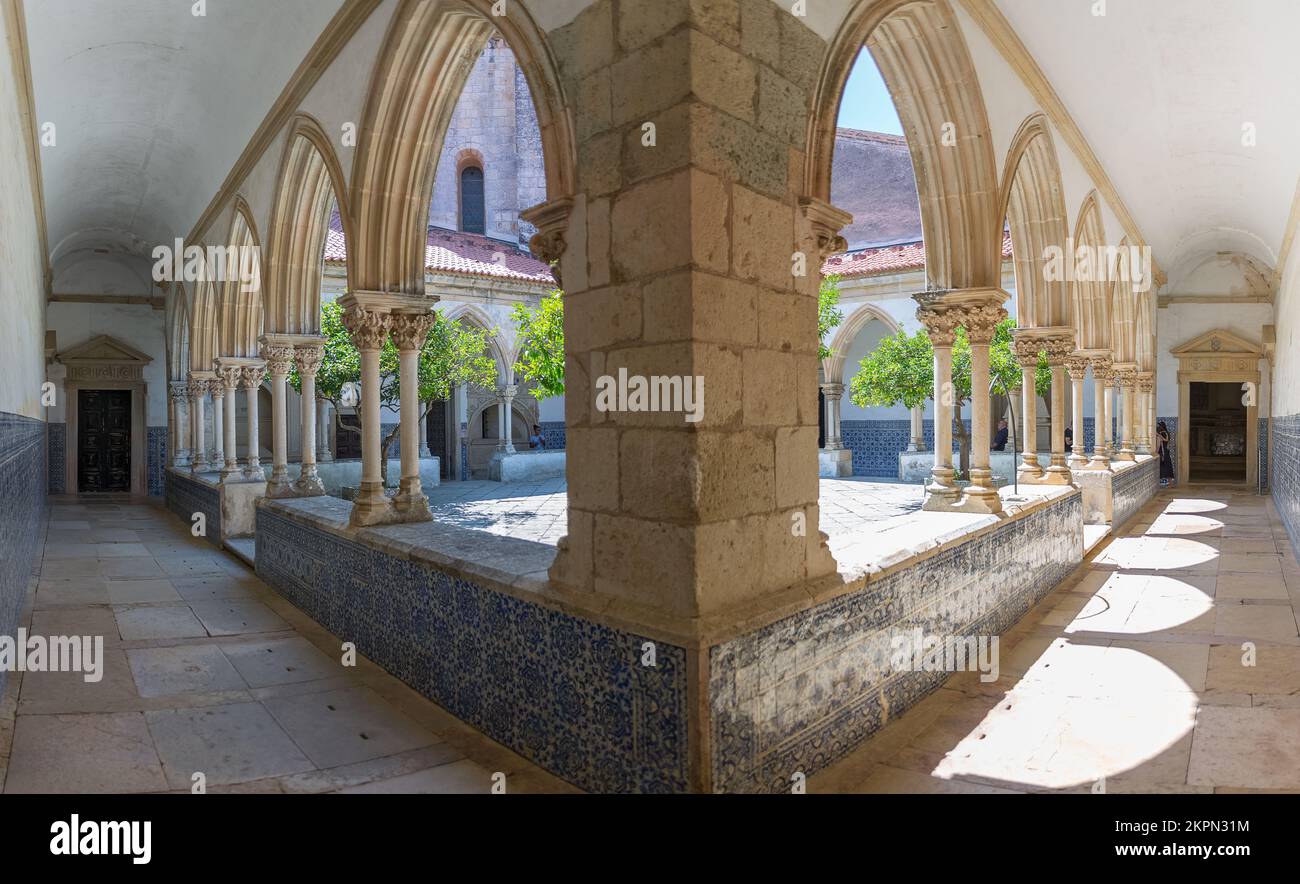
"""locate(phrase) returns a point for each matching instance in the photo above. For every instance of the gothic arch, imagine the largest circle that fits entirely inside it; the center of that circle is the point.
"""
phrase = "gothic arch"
(842, 340)
(239, 304)
(1092, 297)
(922, 56)
(1145, 327)
(178, 334)
(311, 181)
(473, 315)
(203, 316)
(1123, 309)
(425, 60)
(1033, 203)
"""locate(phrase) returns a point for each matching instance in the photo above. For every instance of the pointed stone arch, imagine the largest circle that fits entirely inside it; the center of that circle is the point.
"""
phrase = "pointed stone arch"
(1091, 301)
(203, 320)
(426, 58)
(833, 366)
(476, 316)
(178, 334)
(240, 303)
(311, 183)
(922, 56)
(1033, 203)
(1123, 307)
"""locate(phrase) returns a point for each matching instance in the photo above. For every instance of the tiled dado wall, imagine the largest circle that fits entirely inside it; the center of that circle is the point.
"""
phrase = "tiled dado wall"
(1284, 466)
(566, 693)
(23, 456)
(1132, 488)
(185, 497)
(573, 696)
(553, 434)
(801, 693)
(56, 456)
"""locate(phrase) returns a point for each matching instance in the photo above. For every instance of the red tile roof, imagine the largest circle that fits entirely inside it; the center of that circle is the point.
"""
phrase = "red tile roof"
(450, 251)
(887, 259)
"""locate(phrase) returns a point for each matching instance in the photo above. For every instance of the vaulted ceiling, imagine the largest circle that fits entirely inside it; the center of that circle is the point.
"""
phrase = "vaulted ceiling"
(1190, 106)
(151, 105)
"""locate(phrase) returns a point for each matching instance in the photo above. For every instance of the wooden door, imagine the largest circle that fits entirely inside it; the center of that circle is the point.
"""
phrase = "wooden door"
(104, 443)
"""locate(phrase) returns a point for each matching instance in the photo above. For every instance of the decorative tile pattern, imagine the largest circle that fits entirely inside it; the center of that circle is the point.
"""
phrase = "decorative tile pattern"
(1284, 464)
(553, 434)
(1131, 489)
(23, 485)
(57, 457)
(877, 444)
(566, 693)
(185, 497)
(1263, 455)
(801, 693)
(157, 454)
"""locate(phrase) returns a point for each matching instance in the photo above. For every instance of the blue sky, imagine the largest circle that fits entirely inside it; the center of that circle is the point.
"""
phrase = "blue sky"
(866, 103)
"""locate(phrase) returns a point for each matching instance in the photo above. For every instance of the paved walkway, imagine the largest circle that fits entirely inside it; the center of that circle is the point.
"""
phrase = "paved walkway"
(207, 671)
(1136, 675)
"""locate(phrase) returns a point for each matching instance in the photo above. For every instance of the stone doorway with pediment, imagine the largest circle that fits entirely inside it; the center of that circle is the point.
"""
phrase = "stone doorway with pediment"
(1205, 363)
(106, 364)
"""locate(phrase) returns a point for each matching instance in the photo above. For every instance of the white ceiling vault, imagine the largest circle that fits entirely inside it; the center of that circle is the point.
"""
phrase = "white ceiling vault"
(1166, 92)
(151, 106)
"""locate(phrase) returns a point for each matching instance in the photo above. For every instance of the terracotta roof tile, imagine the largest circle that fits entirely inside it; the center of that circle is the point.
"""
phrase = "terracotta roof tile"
(887, 259)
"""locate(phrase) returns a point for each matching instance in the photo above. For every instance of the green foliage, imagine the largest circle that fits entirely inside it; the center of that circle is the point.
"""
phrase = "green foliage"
(901, 370)
(828, 314)
(541, 344)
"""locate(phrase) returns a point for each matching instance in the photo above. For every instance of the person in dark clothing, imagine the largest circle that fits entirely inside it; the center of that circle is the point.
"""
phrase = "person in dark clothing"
(1166, 461)
(1000, 440)
(1069, 440)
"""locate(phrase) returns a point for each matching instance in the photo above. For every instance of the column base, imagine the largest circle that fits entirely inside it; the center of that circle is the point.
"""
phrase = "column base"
(941, 494)
(1126, 454)
(1029, 470)
(324, 457)
(309, 484)
(1142, 449)
(371, 506)
(834, 463)
(979, 499)
(1057, 474)
(1099, 462)
(279, 486)
(1076, 462)
(254, 473)
(231, 471)
(412, 508)
(199, 466)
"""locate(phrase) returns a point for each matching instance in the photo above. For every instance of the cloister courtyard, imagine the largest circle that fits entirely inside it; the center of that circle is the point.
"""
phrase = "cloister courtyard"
(648, 396)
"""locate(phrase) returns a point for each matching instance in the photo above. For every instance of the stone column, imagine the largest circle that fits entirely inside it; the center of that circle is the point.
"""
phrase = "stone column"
(832, 393)
(1125, 379)
(1077, 367)
(198, 389)
(1027, 349)
(505, 401)
(308, 358)
(981, 321)
(1058, 351)
(230, 376)
(941, 326)
(918, 429)
(217, 388)
(410, 331)
(1101, 370)
(368, 329)
(279, 360)
(180, 400)
(324, 452)
(1145, 427)
(424, 432)
(251, 377)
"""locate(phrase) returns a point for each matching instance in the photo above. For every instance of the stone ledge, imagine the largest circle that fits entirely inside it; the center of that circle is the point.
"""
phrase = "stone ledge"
(527, 466)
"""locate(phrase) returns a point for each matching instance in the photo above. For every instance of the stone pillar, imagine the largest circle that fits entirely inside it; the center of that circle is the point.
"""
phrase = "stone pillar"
(941, 325)
(368, 329)
(424, 431)
(980, 320)
(279, 360)
(217, 388)
(832, 393)
(324, 451)
(308, 358)
(1126, 378)
(410, 331)
(1058, 351)
(198, 389)
(180, 400)
(251, 377)
(918, 429)
(1029, 471)
(505, 403)
(230, 376)
(1101, 371)
(1077, 367)
(1145, 426)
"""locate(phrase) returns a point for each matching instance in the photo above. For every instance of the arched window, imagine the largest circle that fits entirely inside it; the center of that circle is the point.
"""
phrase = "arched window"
(473, 218)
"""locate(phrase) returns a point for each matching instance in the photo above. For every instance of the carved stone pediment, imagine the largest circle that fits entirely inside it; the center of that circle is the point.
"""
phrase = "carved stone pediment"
(104, 358)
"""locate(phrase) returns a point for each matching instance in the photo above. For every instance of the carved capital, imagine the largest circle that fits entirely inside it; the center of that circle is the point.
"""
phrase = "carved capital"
(279, 358)
(411, 330)
(826, 221)
(1102, 367)
(1077, 367)
(217, 387)
(833, 391)
(551, 220)
(507, 393)
(1125, 377)
(179, 390)
(230, 375)
(367, 328)
(251, 376)
(981, 322)
(198, 388)
(308, 359)
(1026, 350)
(940, 325)
(1058, 350)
